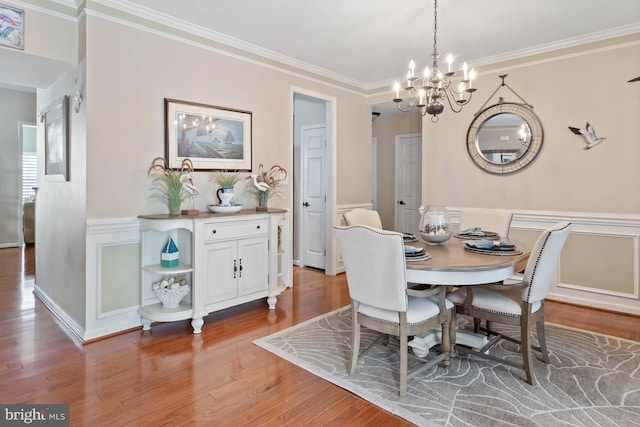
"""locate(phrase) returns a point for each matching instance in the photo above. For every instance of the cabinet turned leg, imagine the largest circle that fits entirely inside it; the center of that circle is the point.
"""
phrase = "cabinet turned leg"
(272, 302)
(146, 324)
(196, 324)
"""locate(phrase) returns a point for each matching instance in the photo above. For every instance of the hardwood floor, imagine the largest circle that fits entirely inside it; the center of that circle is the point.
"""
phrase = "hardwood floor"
(172, 377)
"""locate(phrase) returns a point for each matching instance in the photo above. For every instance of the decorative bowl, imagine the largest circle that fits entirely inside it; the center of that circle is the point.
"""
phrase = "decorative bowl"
(224, 209)
(171, 298)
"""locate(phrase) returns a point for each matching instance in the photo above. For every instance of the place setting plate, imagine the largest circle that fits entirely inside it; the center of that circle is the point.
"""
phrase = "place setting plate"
(490, 247)
(413, 253)
(409, 238)
(479, 235)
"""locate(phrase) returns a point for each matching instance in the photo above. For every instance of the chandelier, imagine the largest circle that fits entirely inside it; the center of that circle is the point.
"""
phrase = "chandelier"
(429, 96)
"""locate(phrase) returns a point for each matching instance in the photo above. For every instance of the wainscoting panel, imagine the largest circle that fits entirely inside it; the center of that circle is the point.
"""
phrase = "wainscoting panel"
(113, 276)
(600, 263)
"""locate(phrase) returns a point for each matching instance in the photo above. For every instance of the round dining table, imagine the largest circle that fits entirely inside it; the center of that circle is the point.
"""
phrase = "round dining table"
(451, 264)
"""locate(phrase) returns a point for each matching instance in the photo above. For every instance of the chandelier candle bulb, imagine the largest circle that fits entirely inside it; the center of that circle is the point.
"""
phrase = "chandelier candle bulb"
(449, 63)
(396, 88)
(464, 70)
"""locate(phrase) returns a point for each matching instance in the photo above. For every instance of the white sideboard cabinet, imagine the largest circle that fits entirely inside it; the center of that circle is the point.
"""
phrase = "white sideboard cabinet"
(227, 259)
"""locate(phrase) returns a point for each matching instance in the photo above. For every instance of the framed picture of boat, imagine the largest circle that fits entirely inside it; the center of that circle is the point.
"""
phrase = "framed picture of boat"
(214, 138)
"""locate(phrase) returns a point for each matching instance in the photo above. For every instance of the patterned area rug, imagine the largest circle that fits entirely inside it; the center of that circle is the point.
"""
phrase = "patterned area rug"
(592, 380)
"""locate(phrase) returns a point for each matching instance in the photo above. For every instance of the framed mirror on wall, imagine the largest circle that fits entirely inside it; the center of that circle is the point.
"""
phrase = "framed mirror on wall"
(505, 138)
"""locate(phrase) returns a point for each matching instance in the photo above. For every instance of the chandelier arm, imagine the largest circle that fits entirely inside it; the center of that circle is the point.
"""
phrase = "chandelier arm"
(412, 105)
(451, 104)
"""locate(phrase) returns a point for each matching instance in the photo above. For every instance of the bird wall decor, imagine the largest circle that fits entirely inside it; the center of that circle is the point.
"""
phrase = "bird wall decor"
(589, 135)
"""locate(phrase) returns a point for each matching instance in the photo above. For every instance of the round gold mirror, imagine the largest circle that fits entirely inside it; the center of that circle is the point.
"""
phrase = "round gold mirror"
(504, 138)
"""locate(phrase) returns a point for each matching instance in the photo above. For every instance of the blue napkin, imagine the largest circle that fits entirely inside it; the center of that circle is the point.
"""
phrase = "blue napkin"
(412, 250)
(475, 231)
(489, 244)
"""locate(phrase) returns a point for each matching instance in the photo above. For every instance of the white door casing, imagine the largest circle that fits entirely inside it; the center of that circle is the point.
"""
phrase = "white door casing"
(408, 178)
(313, 195)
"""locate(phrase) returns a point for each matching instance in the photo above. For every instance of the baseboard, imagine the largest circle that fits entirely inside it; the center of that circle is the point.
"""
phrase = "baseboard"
(75, 331)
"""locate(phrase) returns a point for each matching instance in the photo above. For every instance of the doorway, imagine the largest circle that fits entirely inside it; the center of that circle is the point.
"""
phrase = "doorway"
(28, 181)
(408, 179)
(313, 179)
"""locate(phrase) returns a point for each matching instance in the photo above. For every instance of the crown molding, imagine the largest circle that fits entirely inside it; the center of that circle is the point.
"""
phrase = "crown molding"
(250, 49)
(125, 11)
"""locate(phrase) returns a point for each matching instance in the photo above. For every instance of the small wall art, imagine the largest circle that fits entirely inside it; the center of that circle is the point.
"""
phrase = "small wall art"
(56, 140)
(11, 27)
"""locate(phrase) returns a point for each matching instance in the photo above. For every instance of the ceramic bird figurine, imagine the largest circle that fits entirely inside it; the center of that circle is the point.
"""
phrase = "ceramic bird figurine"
(589, 135)
(187, 184)
(262, 186)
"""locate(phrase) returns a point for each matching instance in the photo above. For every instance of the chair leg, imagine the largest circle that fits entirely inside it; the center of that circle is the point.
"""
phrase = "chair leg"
(452, 335)
(445, 344)
(476, 324)
(404, 357)
(355, 340)
(525, 347)
(542, 340)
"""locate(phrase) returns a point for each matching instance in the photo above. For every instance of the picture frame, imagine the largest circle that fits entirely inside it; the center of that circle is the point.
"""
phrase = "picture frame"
(56, 140)
(11, 27)
(214, 138)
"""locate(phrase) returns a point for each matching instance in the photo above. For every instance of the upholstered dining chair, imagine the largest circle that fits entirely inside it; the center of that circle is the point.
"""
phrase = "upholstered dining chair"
(376, 276)
(359, 216)
(495, 220)
(487, 219)
(520, 304)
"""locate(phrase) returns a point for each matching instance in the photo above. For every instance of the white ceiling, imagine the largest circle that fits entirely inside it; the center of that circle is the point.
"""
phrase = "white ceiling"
(368, 43)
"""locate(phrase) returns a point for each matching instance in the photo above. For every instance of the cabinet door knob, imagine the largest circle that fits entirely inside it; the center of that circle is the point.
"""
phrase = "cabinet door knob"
(257, 226)
(213, 231)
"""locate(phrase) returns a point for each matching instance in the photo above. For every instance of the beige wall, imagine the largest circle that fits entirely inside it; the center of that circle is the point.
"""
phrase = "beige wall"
(565, 92)
(15, 107)
(130, 72)
(61, 211)
(385, 129)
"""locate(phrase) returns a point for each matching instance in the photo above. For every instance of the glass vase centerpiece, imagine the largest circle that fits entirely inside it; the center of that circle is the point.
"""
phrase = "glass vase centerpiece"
(435, 225)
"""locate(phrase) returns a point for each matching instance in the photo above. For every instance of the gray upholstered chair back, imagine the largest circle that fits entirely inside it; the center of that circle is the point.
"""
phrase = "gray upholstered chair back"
(361, 216)
(375, 265)
(487, 219)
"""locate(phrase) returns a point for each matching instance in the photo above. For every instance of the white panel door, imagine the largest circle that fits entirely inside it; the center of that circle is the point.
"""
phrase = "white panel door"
(408, 177)
(313, 196)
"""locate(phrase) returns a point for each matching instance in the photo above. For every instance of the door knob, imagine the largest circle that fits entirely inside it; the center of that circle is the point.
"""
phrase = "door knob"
(401, 202)
(306, 204)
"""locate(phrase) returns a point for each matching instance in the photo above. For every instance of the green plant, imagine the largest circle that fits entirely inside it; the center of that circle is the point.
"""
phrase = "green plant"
(167, 184)
(226, 179)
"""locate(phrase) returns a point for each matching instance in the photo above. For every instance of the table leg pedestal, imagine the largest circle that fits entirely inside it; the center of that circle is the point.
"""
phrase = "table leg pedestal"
(421, 344)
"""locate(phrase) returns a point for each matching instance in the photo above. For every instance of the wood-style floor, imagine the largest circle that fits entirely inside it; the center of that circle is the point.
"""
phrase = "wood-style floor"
(172, 377)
